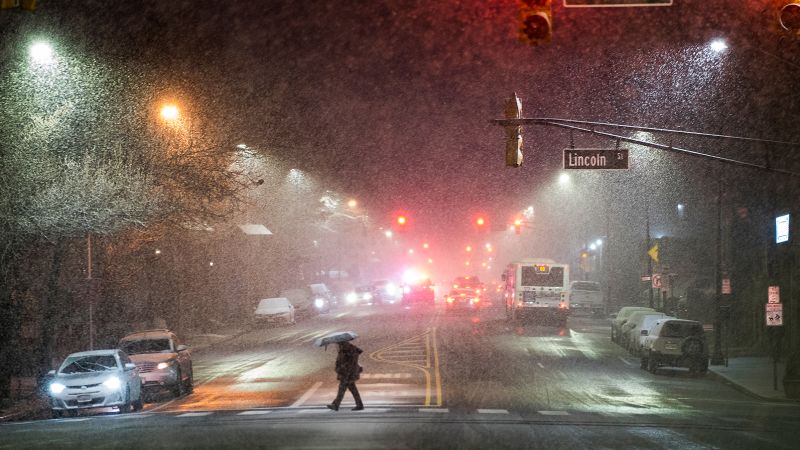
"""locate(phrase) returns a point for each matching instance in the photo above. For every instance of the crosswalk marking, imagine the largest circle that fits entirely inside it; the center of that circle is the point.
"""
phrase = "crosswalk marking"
(493, 411)
(553, 413)
(195, 414)
(83, 419)
(386, 375)
(256, 412)
(312, 411)
(307, 395)
(434, 410)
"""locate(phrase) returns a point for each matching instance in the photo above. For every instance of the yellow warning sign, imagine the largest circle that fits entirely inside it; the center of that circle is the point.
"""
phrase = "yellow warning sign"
(653, 252)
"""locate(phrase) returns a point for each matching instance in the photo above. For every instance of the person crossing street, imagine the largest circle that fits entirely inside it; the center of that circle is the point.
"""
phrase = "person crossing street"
(348, 371)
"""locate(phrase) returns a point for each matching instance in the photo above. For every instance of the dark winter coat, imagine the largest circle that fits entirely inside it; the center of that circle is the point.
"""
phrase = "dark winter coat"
(347, 368)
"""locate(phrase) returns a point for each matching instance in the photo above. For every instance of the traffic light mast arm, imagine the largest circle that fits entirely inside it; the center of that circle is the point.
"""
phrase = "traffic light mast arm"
(560, 123)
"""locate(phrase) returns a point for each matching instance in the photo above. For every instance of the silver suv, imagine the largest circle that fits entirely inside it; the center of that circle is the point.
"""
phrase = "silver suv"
(163, 361)
(676, 343)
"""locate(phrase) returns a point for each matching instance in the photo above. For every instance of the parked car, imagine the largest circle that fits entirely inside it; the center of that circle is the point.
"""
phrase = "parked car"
(631, 332)
(163, 361)
(622, 317)
(95, 379)
(276, 309)
(313, 298)
(676, 343)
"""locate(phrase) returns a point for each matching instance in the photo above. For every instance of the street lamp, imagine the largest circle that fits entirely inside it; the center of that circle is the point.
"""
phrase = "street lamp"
(598, 242)
(42, 53)
(718, 45)
(352, 203)
(563, 179)
(169, 112)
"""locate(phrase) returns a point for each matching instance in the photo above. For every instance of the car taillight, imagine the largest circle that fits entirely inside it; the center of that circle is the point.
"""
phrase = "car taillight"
(449, 299)
(563, 306)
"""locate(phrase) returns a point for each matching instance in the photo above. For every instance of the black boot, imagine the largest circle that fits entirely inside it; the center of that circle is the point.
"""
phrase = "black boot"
(333, 406)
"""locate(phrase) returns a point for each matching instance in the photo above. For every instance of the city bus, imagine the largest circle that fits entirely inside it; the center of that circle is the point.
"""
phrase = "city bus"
(537, 289)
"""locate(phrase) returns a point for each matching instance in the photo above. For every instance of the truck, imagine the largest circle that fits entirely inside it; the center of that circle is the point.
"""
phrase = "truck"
(586, 296)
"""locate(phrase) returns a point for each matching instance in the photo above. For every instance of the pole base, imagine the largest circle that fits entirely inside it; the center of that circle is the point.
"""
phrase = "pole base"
(717, 359)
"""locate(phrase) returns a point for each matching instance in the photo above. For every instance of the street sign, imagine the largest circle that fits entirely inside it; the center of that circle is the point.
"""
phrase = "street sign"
(774, 314)
(656, 281)
(614, 3)
(645, 278)
(726, 285)
(782, 228)
(595, 158)
(653, 252)
(774, 294)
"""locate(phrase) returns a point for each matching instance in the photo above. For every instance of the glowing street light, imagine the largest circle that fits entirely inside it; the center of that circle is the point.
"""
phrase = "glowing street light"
(352, 203)
(169, 112)
(563, 178)
(158, 252)
(42, 53)
(388, 233)
(598, 242)
(469, 248)
(718, 45)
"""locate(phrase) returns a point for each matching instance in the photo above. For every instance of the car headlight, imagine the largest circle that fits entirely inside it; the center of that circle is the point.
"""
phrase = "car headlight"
(57, 388)
(112, 383)
(351, 297)
(319, 303)
(367, 296)
(162, 365)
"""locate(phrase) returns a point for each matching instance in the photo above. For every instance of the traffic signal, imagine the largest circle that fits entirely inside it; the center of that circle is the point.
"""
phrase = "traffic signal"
(535, 21)
(481, 223)
(401, 222)
(518, 226)
(787, 16)
(513, 110)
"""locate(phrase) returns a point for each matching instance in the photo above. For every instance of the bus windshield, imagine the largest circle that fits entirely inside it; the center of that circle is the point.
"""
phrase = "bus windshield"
(530, 277)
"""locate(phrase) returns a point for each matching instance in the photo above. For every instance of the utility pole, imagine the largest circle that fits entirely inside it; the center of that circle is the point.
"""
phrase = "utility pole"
(649, 260)
(89, 288)
(717, 358)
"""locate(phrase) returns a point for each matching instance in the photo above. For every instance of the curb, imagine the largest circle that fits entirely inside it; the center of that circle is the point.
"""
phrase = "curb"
(743, 389)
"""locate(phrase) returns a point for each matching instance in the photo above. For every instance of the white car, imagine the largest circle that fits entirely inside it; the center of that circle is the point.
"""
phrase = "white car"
(622, 317)
(163, 362)
(276, 309)
(640, 321)
(95, 379)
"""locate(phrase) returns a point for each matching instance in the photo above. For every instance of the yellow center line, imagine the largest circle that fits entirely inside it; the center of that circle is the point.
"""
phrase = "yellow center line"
(436, 370)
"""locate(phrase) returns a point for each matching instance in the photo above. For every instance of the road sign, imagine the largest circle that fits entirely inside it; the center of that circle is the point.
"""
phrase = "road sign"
(774, 294)
(653, 252)
(596, 158)
(782, 228)
(726, 285)
(656, 281)
(614, 3)
(645, 278)
(774, 314)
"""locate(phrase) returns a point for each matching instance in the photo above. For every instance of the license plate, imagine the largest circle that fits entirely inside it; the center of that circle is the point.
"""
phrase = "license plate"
(84, 398)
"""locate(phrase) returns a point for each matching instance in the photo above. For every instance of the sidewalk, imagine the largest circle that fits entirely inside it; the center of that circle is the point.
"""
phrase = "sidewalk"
(753, 375)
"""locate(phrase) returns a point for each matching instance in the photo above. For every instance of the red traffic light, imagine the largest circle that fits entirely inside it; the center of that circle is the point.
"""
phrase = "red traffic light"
(480, 221)
(401, 220)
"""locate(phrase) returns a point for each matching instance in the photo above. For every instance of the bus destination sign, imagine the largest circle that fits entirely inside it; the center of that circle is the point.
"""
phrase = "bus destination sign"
(614, 3)
(596, 158)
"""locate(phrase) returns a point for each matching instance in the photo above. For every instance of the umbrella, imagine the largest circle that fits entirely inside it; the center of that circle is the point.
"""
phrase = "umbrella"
(334, 338)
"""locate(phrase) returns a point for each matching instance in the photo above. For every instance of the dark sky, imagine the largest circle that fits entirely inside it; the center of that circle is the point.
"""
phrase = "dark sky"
(390, 100)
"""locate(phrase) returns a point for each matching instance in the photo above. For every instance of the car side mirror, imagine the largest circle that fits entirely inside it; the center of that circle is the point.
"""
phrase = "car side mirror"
(51, 373)
(130, 366)
(182, 348)
(644, 333)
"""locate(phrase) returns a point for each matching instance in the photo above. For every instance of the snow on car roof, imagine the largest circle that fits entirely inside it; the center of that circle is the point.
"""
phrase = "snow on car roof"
(149, 334)
(95, 352)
